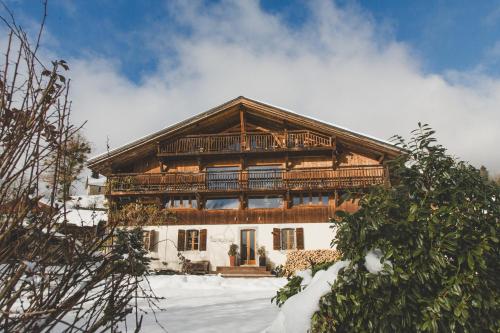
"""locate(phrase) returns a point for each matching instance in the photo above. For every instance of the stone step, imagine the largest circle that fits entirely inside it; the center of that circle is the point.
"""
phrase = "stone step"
(247, 275)
(241, 269)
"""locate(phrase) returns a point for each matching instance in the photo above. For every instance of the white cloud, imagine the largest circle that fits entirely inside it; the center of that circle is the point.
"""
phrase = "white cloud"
(338, 66)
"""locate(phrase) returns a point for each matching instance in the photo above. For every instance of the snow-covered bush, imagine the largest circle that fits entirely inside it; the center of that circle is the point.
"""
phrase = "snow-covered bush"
(438, 226)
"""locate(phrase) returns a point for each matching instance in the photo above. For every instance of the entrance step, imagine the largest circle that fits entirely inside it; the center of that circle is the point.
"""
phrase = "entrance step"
(243, 271)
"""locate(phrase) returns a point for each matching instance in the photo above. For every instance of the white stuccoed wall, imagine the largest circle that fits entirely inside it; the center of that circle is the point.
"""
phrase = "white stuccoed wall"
(219, 237)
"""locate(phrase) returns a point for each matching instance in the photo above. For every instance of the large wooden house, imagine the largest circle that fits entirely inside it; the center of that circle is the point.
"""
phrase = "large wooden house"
(244, 172)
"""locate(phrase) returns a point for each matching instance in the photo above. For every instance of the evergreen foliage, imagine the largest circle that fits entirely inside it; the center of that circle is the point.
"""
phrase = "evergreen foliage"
(130, 252)
(438, 227)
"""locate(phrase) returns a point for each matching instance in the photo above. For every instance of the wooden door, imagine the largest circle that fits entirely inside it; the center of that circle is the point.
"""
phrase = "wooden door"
(247, 249)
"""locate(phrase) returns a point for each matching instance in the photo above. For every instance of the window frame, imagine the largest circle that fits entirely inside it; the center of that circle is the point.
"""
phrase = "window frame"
(285, 241)
(195, 246)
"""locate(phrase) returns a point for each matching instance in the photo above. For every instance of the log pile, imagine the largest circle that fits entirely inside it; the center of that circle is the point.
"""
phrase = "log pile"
(300, 260)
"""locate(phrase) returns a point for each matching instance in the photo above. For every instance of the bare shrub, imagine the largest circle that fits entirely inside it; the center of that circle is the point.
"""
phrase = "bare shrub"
(50, 279)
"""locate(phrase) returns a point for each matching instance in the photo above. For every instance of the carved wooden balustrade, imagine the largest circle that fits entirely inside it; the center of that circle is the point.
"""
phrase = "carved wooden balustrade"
(247, 142)
(248, 180)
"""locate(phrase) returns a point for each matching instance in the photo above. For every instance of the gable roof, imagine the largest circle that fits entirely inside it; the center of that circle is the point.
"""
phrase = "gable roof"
(341, 133)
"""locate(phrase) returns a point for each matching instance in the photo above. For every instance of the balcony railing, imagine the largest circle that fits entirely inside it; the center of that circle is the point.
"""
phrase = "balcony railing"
(226, 143)
(253, 180)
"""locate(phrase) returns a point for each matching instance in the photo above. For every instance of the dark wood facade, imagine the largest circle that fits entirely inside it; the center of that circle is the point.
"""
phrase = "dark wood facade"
(269, 165)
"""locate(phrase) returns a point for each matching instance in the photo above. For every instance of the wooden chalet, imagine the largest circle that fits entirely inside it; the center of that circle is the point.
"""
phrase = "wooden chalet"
(244, 172)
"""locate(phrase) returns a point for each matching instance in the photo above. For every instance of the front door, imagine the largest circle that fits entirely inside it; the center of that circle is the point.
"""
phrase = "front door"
(247, 252)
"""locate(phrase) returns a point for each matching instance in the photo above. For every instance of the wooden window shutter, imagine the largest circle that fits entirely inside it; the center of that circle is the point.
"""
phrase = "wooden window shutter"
(299, 234)
(276, 239)
(146, 239)
(181, 240)
(203, 239)
(152, 240)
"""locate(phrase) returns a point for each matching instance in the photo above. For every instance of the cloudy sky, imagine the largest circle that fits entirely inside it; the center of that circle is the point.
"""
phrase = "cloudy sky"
(377, 67)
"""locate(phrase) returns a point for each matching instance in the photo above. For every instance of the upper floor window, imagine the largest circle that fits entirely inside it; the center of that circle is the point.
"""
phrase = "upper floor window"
(181, 202)
(265, 202)
(223, 178)
(222, 203)
(310, 199)
(264, 176)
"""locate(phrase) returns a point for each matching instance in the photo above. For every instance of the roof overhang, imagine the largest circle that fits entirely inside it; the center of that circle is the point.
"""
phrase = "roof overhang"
(149, 143)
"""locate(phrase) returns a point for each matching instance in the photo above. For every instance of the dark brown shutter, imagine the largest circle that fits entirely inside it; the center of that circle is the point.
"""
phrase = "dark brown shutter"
(145, 238)
(181, 240)
(276, 239)
(299, 234)
(203, 239)
(152, 240)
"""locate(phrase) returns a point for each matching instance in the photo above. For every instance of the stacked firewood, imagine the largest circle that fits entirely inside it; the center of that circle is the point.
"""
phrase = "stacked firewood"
(300, 260)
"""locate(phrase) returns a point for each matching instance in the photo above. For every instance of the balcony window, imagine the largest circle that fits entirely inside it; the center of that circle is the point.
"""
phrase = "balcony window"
(307, 199)
(265, 202)
(265, 176)
(181, 202)
(223, 178)
(222, 203)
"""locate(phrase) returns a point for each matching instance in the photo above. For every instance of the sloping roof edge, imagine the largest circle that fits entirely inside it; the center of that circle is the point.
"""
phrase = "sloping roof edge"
(240, 99)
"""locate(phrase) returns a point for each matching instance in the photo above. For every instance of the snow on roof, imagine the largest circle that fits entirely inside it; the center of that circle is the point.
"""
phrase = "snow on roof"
(101, 181)
(82, 210)
(84, 217)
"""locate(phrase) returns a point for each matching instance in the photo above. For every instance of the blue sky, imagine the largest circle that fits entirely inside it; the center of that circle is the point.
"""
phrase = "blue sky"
(444, 35)
(377, 67)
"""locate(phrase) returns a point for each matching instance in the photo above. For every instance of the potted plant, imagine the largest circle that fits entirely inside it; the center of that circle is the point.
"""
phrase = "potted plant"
(233, 251)
(261, 251)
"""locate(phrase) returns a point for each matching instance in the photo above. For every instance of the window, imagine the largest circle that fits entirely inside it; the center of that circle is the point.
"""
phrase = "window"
(181, 202)
(287, 239)
(192, 240)
(265, 202)
(222, 203)
(223, 178)
(150, 240)
(192, 237)
(264, 176)
(310, 199)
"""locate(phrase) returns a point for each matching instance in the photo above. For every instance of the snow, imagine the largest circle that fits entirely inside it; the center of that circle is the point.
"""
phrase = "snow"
(295, 315)
(101, 181)
(212, 303)
(306, 276)
(82, 210)
(373, 261)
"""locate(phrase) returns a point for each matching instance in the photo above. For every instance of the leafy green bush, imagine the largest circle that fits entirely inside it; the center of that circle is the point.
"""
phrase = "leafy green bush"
(321, 267)
(291, 288)
(294, 284)
(438, 226)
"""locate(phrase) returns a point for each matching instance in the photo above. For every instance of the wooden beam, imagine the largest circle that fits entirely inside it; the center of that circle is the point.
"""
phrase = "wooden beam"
(242, 129)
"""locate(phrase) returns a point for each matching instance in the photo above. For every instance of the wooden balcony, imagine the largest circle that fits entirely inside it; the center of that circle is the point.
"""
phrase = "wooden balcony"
(267, 180)
(246, 142)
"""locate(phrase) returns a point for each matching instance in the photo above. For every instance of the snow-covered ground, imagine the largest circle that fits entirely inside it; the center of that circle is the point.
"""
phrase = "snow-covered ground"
(213, 303)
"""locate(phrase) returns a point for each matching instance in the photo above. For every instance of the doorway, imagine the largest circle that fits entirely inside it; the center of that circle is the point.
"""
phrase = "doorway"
(247, 252)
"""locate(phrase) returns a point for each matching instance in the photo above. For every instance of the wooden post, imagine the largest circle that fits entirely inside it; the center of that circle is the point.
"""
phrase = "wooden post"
(242, 130)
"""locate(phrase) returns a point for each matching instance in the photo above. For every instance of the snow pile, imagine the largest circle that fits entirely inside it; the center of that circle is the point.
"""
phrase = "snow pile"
(306, 276)
(373, 261)
(295, 315)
